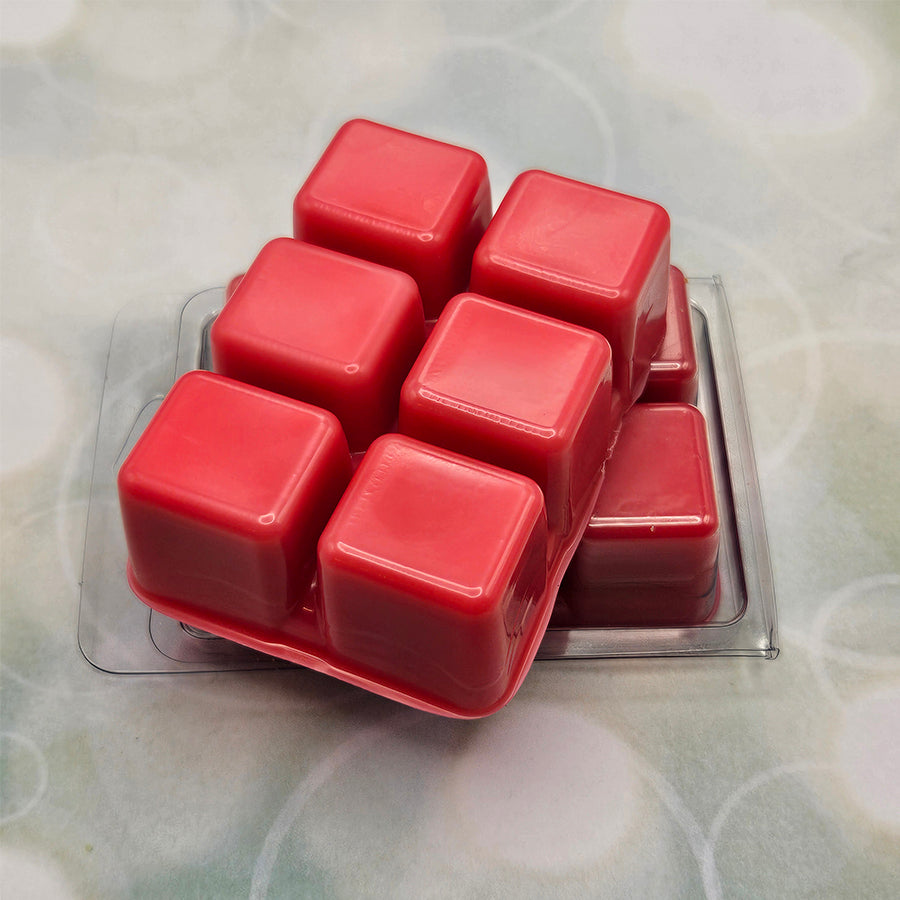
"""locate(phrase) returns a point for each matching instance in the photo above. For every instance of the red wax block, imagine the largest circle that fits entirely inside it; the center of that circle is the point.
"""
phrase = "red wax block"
(519, 390)
(325, 328)
(224, 497)
(398, 199)
(586, 255)
(431, 569)
(649, 554)
(673, 371)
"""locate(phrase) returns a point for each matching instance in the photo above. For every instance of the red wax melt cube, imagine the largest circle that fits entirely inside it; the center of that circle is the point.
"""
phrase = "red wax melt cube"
(401, 200)
(224, 497)
(649, 555)
(586, 255)
(431, 569)
(519, 390)
(673, 371)
(325, 328)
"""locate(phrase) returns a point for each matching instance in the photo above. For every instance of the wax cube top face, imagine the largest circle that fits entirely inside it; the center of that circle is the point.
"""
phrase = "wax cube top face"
(328, 305)
(527, 370)
(448, 527)
(325, 328)
(585, 255)
(228, 451)
(584, 237)
(399, 199)
(392, 176)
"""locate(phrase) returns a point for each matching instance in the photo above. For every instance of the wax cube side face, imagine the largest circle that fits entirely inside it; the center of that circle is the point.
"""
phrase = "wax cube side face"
(586, 255)
(649, 555)
(431, 569)
(224, 496)
(674, 373)
(322, 327)
(518, 390)
(398, 199)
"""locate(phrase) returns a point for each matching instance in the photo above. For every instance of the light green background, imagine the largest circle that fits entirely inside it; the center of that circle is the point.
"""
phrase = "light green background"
(149, 149)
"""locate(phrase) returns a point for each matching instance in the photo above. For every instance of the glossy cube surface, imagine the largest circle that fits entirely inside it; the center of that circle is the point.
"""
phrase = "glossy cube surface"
(430, 570)
(518, 390)
(586, 255)
(649, 554)
(674, 372)
(319, 326)
(225, 494)
(398, 199)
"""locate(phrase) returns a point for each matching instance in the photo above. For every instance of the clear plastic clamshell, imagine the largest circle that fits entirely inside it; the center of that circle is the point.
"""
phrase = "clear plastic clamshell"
(152, 346)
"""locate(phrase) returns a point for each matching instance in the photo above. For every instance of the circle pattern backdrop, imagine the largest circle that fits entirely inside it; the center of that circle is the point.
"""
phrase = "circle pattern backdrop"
(150, 148)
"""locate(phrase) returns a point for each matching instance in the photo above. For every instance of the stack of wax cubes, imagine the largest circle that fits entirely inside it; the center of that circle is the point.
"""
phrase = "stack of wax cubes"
(418, 415)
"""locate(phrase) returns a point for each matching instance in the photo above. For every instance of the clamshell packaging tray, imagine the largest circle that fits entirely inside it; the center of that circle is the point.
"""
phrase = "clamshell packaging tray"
(341, 492)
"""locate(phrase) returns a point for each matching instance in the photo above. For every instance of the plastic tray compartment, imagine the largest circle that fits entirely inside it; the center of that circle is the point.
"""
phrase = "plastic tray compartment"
(151, 346)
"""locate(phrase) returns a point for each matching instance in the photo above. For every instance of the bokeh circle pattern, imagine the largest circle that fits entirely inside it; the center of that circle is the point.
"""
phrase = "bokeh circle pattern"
(24, 776)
